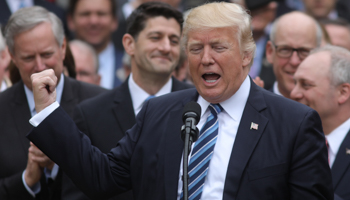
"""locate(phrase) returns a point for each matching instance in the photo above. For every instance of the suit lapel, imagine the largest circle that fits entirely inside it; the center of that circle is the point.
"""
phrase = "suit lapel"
(21, 114)
(122, 107)
(342, 161)
(174, 148)
(246, 140)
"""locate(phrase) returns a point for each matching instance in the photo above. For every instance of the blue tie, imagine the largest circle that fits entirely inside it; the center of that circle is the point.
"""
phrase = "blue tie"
(149, 97)
(202, 153)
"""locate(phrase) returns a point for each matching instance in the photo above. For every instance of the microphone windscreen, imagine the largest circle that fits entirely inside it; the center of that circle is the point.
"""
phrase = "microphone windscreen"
(191, 109)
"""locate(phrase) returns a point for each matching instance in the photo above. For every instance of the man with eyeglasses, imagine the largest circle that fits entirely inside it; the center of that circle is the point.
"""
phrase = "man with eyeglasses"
(292, 37)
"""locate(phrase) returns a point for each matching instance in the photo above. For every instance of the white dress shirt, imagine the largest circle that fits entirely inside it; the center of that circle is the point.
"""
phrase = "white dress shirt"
(138, 95)
(106, 69)
(335, 138)
(229, 120)
(30, 98)
(14, 5)
(275, 88)
(3, 86)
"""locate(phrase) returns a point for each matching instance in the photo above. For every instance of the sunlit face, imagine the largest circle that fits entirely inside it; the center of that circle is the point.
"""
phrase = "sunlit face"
(303, 36)
(93, 22)
(340, 35)
(36, 50)
(156, 50)
(85, 65)
(313, 87)
(216, 63)
(319, 8)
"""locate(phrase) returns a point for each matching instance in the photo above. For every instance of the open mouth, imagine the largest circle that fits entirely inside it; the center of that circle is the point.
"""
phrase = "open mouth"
(210, 77)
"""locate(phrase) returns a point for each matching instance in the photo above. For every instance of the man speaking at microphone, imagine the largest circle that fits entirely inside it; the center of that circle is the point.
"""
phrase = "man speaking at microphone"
(252, 143)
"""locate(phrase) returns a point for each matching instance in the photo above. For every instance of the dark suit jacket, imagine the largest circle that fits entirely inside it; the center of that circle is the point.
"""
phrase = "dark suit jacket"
(341, 170)
(14, 116)
(107, 117)
(5, 13)
(286, 158)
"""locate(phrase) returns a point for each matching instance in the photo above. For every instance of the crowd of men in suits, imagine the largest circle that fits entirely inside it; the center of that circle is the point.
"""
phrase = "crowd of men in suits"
(289, 152)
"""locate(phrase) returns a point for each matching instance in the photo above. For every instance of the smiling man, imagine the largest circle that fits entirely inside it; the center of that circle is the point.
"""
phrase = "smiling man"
(323, 83)
(253, 144)
(94, 21)
(292, 37)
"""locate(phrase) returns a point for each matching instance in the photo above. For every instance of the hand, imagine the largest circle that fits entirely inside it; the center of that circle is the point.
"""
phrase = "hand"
(39, 157)
(259, 82)
(33, 171)
(44, 89)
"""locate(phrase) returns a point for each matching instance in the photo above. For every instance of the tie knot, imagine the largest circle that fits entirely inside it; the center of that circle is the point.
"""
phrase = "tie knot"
(215, 109)
(149, 97)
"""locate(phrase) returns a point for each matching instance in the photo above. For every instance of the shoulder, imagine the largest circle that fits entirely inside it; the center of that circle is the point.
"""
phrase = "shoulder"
(177, 85)
(100, 100)
(82, 87)
(9, 93)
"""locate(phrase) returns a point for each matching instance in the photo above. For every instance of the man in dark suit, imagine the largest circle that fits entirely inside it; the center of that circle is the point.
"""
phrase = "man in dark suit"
(260, 146)
(292, 37)
(322, 82)
(94, 21)
(33, 47)
(115, 110)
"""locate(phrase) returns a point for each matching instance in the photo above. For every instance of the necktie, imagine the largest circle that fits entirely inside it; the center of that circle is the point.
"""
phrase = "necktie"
(149, 97)
(22, 4)
(202, 153)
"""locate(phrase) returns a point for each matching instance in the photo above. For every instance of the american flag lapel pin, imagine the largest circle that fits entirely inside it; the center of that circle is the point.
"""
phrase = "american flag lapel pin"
(254, 126)
(347, 151)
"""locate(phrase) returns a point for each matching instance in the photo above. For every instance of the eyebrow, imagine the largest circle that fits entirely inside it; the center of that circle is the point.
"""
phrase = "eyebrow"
(162, 33)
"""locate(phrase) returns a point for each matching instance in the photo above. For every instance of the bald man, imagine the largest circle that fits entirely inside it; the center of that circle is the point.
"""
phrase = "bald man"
(86, 62)
(292, 37)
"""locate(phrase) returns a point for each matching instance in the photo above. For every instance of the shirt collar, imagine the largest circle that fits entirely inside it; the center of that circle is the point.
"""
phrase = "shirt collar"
(30, 96)
(275, 88)
(138, 95)
(235, 105)
(336, 137)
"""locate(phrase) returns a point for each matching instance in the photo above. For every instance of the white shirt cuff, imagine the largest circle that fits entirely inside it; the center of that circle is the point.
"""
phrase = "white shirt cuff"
(53, 173)
(38, 118)
(35, 189)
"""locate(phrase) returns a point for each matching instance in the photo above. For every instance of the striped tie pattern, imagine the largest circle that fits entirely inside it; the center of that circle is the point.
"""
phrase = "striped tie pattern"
(202, 153)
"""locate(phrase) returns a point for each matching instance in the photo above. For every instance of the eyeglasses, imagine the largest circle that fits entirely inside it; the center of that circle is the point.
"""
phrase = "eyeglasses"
(284, 51)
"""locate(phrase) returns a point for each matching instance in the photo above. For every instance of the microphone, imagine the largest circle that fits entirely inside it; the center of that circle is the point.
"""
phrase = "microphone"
(191, 115)
(189, 133)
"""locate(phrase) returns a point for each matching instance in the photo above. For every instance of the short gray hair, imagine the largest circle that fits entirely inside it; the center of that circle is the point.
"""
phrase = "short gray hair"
(339, 71)
(86, 47)
(319, 33)
(27, 18)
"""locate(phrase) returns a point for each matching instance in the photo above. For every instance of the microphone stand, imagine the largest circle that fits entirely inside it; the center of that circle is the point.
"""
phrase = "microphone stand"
(189, 133)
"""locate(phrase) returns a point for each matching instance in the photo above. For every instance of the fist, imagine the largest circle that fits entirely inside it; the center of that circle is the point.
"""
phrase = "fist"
(44, 89)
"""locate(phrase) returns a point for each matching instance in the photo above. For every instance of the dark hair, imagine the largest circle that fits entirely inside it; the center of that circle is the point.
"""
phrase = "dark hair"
(73, 5)
(136, 22)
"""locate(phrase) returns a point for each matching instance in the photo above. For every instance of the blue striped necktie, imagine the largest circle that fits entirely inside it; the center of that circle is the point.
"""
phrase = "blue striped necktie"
(202, 153)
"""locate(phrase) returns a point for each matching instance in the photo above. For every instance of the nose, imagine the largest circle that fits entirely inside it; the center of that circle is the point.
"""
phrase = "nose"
(207, 58)
(294, 59)
(93, 18)
(296, 94)
(39, 64)
(165, 45)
